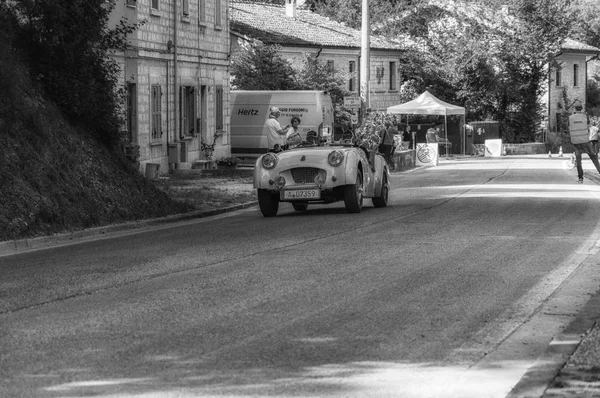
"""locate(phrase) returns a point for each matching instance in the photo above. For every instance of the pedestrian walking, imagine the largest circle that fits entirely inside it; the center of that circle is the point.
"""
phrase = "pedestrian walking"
(386, 139)
(580, 138)
(594, 136)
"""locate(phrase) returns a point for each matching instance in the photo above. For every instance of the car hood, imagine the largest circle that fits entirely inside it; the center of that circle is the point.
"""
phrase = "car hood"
(318, 151)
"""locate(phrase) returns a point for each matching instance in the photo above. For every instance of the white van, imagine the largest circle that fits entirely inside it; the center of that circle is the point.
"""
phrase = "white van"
(250, 110)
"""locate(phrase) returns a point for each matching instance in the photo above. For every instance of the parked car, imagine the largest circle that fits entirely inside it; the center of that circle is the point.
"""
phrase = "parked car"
(316, 172)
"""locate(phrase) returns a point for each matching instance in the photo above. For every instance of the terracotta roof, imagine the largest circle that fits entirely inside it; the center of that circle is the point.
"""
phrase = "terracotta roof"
(570, 45)
(269, 24)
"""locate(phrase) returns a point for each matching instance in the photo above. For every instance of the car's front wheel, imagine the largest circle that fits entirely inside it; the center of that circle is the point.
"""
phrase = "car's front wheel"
(300, 206)
(353, 195)
(382, 199)
(268, 202)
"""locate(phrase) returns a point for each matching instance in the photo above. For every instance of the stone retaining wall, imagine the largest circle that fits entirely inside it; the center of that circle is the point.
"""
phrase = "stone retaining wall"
(526, 149)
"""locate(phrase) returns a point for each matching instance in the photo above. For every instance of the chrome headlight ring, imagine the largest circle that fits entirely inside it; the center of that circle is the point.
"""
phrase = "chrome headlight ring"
(335, 158)
(269, 161)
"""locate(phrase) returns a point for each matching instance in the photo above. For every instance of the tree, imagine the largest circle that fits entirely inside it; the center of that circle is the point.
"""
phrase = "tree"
(261, 67)
(528, 39)
(316, 75)
(68, 46)
(488, 55)
(586, 21)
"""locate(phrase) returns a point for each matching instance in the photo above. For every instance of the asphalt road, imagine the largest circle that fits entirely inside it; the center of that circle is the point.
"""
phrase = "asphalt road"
(453, 290)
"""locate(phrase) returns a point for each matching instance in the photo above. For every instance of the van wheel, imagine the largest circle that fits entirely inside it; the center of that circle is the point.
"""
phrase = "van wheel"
(353, 195)
(382, 199)
(300, 206)
(267, 202)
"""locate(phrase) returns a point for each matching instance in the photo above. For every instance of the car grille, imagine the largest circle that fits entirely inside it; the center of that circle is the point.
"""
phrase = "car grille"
(303, 175)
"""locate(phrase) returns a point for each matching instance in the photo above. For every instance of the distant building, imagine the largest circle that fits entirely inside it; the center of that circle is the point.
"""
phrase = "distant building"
(176, 77)
(568, 75)
(299, 31)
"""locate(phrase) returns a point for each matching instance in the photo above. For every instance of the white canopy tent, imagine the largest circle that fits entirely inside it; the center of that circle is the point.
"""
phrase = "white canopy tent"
(428, 104)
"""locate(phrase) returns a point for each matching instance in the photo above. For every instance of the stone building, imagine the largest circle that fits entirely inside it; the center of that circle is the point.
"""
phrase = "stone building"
(299, 31)
(567, 80)
(175, 74)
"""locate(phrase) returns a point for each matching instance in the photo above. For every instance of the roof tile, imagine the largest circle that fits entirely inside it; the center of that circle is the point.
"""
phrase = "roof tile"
(269, 23)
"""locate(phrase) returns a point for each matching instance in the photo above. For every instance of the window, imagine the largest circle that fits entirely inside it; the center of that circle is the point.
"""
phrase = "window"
(187, 111)
(330, 66)
(219, 108)
(202, 11)
(575, 75)
(393, 72)
(379, 73)
(201, 120)
(217, 13)
(558, 77)
(154, 4)
(156, 112)
(352, 70)
(131, 3)
(132, 112)
(185, 7)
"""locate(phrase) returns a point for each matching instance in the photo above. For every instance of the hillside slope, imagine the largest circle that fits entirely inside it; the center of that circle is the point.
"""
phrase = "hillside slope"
(55, 177)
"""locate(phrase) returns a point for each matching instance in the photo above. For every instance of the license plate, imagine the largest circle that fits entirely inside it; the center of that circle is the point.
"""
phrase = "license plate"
(301, 194)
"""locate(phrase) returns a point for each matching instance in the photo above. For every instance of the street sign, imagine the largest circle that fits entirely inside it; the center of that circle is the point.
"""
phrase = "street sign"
(352, 102)
(354, 119)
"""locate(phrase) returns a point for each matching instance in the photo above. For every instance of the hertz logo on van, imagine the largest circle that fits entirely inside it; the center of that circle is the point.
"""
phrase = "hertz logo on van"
(247, 112)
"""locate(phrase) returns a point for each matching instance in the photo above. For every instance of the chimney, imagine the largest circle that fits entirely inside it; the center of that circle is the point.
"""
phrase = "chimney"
(290, 8)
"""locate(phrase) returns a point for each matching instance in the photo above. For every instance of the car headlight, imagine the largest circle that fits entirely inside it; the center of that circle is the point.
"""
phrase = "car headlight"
(319, 179)
(335, 158)
(280, 181)
(269, 161)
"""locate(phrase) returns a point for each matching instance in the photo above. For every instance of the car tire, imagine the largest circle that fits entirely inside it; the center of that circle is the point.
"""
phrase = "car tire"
(353, 195)
(268, 202)
(382, 199)
(300, 206)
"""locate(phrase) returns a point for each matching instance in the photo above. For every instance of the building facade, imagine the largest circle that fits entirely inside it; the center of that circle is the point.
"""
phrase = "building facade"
(567, 81)
(175, 76)
(299, 31)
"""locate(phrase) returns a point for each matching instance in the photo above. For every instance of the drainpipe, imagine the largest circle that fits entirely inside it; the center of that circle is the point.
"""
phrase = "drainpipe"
(175, 91)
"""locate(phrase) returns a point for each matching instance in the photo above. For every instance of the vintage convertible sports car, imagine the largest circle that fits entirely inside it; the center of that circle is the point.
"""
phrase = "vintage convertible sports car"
(321, 173)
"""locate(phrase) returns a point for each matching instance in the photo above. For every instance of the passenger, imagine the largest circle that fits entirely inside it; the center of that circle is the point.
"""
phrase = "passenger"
(293, 136)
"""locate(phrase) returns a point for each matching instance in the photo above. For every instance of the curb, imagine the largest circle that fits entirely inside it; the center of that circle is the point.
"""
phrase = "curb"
(43, 242)
(595, 177)
(539, 380)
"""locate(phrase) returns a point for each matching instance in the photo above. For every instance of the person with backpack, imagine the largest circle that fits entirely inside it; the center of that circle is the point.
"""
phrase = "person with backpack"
(580, 138)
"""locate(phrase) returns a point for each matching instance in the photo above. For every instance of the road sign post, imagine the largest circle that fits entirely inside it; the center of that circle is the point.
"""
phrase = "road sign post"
(352, 102)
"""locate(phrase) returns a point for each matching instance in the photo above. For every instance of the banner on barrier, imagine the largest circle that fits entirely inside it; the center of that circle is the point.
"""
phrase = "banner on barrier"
(427, 155)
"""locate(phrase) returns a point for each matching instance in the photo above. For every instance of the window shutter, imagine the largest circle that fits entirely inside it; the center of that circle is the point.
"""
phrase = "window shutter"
(182, 110)
(217, 12)
(219, 108)
(202, 11)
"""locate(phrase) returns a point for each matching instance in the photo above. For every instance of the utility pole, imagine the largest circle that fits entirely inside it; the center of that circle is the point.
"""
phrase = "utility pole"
(365, 59)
